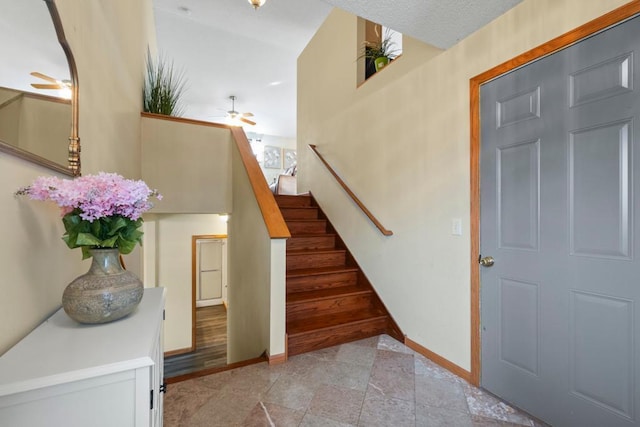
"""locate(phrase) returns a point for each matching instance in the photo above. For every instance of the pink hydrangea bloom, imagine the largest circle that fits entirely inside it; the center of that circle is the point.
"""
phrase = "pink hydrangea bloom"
(96, 196)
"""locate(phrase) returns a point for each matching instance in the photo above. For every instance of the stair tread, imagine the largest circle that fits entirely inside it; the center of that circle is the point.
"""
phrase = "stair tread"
(320, 294)
(319, 271)
(305, 235)
(318, 323)
(292, 196)
(314, 251)
(329, 300)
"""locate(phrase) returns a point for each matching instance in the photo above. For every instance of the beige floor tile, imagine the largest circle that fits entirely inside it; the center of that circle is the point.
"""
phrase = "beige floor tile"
(372, 382)
(337, 403)
(385, 412)
(428, 416)
(440, 393)
(269, 414)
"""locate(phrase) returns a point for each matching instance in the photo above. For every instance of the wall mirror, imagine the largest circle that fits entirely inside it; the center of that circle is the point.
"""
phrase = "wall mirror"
(39, 124)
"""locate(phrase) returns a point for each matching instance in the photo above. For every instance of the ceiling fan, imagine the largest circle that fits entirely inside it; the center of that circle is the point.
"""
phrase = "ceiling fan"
(234, 115)
(53, 83)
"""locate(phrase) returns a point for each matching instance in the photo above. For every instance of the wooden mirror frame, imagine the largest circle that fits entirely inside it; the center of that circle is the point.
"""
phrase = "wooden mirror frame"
(73, 167)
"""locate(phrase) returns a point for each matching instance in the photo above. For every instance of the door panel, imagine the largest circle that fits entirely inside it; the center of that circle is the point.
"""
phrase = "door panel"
(602, 326)
(600, 181)
(209, 270)
(518, 195)
(519, 324)
(559, 207)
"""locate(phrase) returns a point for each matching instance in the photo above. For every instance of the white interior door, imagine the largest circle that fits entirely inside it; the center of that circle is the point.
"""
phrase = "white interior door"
(210, 272)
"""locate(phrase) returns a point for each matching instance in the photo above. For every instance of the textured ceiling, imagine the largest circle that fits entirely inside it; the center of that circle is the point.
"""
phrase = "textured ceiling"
(441, 23)
(227, 48)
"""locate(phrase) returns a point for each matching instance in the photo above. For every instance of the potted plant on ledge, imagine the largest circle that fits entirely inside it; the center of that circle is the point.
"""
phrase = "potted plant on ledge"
(380, 53)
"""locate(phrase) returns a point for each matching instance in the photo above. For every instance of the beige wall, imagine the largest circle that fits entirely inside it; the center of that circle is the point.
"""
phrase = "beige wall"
(10, 118)
(109, 42)
(167, 263)
(44, 128)
(190, 164)
(402, 144)
(36, 264)
(36, 124)
(255, 323)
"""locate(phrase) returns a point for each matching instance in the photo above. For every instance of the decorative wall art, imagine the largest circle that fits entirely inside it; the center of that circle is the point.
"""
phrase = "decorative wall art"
(290, 158)
(272, 157)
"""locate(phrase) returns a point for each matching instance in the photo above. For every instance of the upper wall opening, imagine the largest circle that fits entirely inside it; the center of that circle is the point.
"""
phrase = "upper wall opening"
(378, 46)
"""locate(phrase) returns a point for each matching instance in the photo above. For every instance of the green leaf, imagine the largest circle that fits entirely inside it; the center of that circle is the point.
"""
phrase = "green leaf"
(126, 246)
(85, 252)
(70, 240)
(109, 243)
(108, 232)
(118, 224)
(87, 239)
(136, 235)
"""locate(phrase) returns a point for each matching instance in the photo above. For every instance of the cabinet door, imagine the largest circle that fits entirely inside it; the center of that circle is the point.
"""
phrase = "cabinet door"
(157, 381)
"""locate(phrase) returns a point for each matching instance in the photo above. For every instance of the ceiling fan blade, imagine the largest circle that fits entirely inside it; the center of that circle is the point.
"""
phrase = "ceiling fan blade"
(247, 114)
(44, 77)
(247, 121)
(46, 86)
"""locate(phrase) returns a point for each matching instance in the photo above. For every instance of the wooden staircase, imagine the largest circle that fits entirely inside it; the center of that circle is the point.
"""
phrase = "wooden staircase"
(329, 299)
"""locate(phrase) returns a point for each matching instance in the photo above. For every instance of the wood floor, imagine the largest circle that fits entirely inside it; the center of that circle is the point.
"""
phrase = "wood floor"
(211, 344)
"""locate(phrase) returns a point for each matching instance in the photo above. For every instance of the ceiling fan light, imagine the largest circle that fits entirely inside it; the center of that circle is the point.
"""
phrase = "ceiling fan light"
(257, 3)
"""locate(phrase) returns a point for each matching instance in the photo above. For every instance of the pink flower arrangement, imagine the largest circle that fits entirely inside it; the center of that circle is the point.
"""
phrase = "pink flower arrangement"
(97, 196)
(99, 211)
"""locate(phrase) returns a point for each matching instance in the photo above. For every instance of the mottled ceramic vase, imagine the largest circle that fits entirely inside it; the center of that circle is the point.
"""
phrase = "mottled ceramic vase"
(107, 292)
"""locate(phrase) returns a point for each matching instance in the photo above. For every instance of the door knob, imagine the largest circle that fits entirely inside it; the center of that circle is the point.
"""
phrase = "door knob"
(487, 261)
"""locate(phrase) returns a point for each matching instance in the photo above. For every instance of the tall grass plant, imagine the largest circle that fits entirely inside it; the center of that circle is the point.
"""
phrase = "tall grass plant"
(163, 87)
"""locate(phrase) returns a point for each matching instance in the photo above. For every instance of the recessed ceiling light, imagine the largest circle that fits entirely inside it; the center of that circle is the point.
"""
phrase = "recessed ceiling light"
(276, 83)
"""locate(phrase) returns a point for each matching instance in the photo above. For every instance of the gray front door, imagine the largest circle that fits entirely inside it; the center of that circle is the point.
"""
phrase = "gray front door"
(560, 214)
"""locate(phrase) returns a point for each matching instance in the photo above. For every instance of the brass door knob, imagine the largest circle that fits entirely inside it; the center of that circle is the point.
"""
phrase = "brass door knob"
(487, 261)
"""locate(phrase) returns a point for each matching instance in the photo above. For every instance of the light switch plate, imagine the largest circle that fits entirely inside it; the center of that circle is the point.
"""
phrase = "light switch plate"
(456, 226)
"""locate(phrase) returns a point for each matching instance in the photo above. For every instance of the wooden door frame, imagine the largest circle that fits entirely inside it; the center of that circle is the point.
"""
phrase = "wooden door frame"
(194, 240)
(611, 18)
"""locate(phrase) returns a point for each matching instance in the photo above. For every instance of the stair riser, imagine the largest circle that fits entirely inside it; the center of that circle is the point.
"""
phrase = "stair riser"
(299, 213)
(293, 201)
(315, 242)
(316, 316)
(322, 281)
(315, 260)
(326, 306)
(315, 340)
(307, 227)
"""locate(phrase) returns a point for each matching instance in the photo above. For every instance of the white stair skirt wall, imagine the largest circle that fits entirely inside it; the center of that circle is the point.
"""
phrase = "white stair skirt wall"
(211, 277)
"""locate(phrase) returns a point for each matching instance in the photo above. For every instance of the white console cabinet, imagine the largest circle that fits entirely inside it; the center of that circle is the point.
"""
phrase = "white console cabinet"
(67, 374)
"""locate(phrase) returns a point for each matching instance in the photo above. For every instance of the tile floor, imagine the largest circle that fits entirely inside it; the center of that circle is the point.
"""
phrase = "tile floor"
(374, 382)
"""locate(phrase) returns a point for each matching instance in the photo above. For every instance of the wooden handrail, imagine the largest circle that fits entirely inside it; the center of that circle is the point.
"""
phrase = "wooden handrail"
(183, 120)
(271, 214)
(351, 194)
